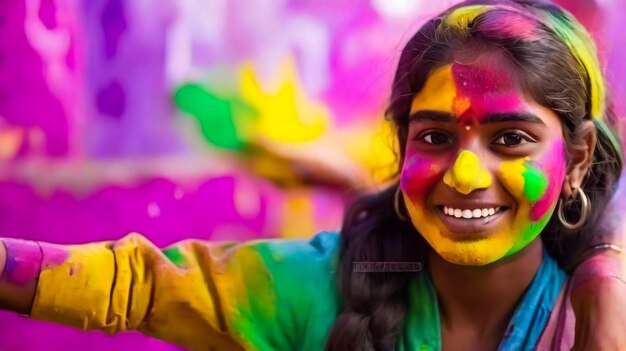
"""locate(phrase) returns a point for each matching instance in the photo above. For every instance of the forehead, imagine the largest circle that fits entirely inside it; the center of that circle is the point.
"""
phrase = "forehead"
(478, 89)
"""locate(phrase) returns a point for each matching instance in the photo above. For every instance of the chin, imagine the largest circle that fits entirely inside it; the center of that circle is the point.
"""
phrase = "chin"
(475, 253)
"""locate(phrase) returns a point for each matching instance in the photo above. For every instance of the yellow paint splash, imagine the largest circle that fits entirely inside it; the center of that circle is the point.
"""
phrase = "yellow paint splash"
(286, 114)
(467, 174)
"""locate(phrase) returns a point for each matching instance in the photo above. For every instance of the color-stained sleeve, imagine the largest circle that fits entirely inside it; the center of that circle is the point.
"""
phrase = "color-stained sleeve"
(201, 295)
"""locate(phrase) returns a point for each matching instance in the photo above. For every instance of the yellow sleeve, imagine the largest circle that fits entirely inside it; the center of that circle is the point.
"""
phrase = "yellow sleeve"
(169, 294)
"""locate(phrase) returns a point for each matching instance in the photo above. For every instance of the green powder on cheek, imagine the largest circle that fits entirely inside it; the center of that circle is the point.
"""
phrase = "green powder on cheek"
(529, 233)
(535, 183)
(175, 256)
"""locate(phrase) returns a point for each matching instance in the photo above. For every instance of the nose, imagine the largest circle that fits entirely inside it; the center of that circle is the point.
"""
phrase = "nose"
(467, 174)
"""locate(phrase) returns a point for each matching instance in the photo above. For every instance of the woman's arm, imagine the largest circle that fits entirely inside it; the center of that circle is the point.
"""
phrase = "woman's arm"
(197, 294)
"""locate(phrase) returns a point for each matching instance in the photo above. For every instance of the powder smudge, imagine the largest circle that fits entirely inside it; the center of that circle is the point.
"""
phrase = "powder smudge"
(553, 167)
(535, 183)
(488, 90)
(467, 174)
(419, 174)
(53, 255)
(23, 261)
(175, 256)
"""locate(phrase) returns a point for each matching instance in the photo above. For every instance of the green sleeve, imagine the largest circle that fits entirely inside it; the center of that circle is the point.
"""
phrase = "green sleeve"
(261, 295)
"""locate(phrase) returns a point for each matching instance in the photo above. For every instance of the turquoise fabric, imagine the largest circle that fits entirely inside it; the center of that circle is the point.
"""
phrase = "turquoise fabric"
(422, 326)
(533, 312)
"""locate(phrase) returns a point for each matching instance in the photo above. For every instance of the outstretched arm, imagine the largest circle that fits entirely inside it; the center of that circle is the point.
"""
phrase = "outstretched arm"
(197, 294)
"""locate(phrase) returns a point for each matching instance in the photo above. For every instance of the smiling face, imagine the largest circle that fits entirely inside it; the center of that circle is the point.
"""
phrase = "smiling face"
(484, 164)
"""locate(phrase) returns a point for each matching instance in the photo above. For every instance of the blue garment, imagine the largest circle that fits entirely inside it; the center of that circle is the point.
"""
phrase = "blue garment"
(533, 312)
(422, 329)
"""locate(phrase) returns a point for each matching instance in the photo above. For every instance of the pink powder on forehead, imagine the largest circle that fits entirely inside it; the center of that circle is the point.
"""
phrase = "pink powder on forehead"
(553, 166)
(487, 90)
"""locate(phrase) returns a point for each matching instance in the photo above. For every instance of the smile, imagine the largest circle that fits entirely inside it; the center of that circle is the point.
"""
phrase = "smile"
(471, 213)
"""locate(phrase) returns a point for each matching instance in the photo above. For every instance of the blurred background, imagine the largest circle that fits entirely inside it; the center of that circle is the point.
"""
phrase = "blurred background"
(211, 119)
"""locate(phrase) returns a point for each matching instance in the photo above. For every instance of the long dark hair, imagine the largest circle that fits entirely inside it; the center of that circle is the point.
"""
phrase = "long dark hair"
(558, 68)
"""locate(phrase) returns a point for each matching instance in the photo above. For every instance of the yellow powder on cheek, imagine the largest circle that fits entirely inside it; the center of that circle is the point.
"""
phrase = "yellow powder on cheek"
(473, 253)
(512, 176)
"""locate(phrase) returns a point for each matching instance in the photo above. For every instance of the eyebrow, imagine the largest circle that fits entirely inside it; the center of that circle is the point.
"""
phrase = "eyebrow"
(430, 115)
(440, 116)
(512, 117)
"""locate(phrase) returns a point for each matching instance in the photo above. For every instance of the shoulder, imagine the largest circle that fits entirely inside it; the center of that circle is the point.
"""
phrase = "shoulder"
(317, 253)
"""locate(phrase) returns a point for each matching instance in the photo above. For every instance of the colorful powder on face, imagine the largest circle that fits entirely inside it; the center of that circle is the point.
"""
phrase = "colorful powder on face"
(515, 22)
(439, 81)
(175, 256)
(488, 90)
(535, 183)
(420, 174)
(23, 261)
(553, 165)
(467, 174)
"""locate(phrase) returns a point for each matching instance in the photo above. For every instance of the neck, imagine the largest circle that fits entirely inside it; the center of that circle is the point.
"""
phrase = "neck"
(480, 301)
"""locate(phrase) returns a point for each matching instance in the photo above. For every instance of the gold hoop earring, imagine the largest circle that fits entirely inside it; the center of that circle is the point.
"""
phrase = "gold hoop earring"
(396, 206)
(584, 210)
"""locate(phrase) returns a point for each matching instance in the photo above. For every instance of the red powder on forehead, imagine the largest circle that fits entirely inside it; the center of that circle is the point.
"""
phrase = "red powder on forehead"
(507, 24)
(488, 89)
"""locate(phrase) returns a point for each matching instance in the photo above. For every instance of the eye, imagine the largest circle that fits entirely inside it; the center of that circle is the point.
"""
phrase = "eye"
(436, 138)
(513, 138)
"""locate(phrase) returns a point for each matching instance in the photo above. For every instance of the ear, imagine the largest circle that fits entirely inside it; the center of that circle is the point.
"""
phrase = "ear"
(580, 157)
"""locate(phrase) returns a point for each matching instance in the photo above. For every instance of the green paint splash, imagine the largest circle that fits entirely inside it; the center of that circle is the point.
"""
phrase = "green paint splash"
(175, 256)
(214, 115)
(535, 183)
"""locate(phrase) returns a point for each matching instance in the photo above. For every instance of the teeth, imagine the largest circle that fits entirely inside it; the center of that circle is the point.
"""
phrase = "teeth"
(476, 213)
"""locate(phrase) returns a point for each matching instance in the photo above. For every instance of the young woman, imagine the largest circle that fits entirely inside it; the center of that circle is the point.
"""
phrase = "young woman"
(507, 159)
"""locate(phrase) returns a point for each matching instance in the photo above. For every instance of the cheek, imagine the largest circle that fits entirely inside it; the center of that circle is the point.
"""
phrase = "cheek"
(419, 175)
(552, 167)
(537, 183)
